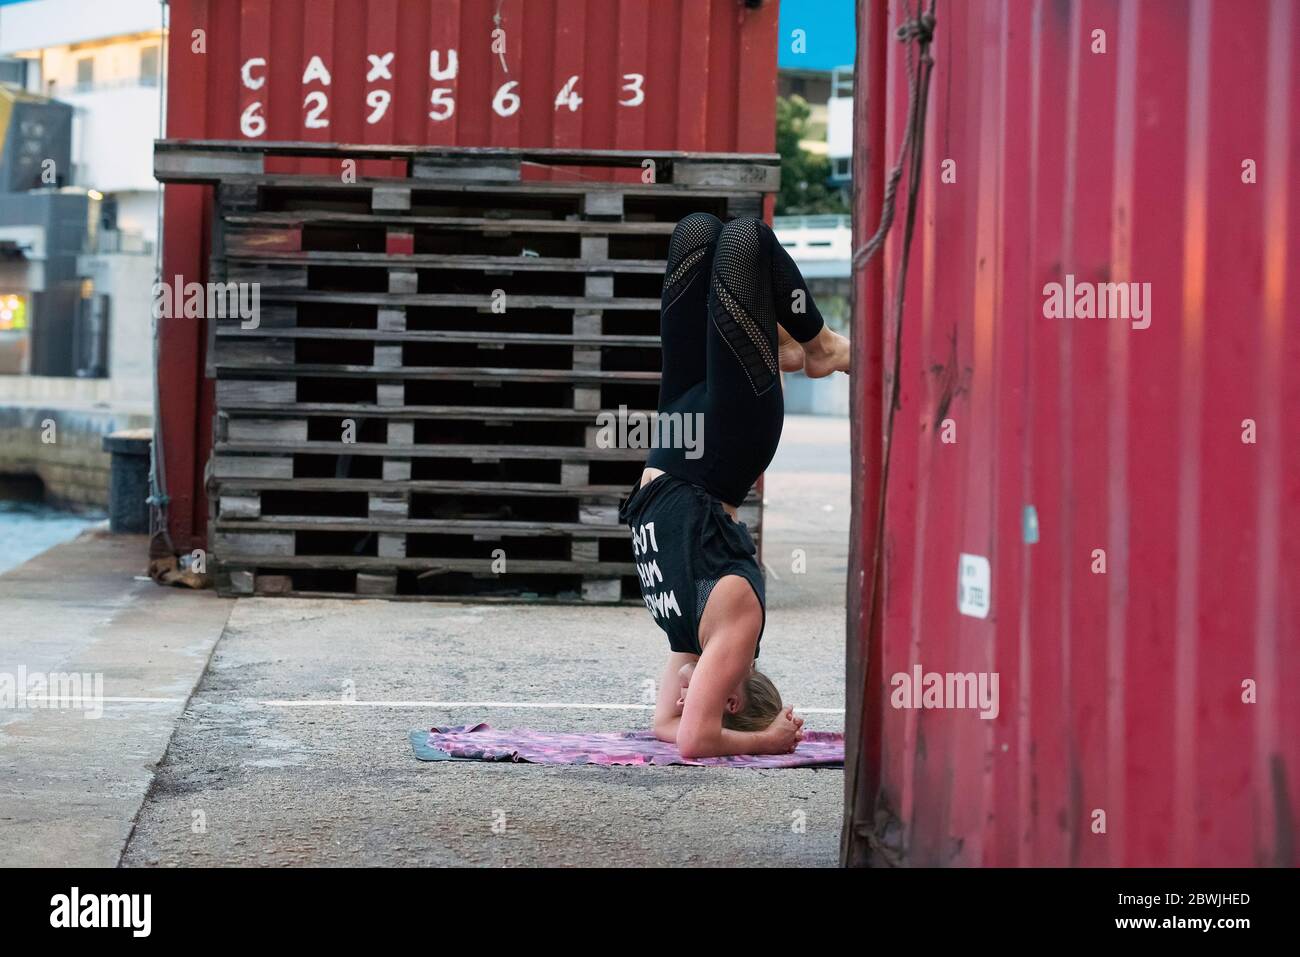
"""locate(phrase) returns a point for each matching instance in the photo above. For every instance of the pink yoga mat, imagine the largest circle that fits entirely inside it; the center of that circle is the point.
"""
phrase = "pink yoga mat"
(481, 742)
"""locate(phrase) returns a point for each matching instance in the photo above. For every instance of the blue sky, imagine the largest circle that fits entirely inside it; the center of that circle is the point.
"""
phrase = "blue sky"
(829, 28)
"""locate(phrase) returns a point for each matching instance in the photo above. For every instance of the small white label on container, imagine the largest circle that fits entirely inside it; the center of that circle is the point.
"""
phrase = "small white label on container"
(973, 580)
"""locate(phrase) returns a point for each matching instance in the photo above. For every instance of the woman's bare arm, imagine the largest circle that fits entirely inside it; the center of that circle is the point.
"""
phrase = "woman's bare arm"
(668, 710)
(727, 659)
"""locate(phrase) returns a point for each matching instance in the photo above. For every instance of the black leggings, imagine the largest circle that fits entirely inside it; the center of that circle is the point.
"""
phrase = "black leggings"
(726, 289)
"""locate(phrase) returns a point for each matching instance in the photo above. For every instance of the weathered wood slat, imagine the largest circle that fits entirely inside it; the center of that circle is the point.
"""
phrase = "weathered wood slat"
(397, 523)
(517, 566)
(266, 430)
(585, 494)
(299, 218)
(252, 486)
(391, 546)
(259, 351)
(201, 165)
(372, 584)
(239, 506)
(387, 506)
(233, 466)
(400, 432)
(269, 275)
(418, 526)
(259, 240)
(263, 543)
(482, 302)
(272, 585)
(396, 470)
(602, 204)
(482, 453)
(476, 412)
(393, 189)
(237, 191)
(457, 373)
(495, 168)
(440, 261)
(232, 392)
(698, 172)
(233, 330)
(519, 596)
(242, 513)
(385, 195)
(181, 160)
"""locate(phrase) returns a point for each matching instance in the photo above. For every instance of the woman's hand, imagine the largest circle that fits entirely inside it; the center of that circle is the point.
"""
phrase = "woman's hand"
(784, 733)
(684, 678)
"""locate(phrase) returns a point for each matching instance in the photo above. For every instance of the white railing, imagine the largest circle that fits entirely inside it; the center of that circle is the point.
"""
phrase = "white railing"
(824, 236)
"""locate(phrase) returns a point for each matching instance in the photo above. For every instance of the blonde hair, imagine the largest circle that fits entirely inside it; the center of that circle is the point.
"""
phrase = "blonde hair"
(762, 705)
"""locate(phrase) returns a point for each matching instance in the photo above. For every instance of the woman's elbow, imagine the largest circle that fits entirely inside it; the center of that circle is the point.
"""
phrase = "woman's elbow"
(692, 744)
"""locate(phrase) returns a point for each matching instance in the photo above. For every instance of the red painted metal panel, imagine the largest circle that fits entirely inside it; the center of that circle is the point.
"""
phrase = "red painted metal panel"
(863, 758)
(667, 75)
(1119, 692)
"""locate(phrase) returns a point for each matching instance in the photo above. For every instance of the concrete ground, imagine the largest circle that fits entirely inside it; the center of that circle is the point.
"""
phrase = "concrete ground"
(73, 778)
(293, 749)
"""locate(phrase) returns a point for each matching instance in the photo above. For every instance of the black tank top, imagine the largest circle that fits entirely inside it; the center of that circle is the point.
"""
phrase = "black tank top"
(683, 541)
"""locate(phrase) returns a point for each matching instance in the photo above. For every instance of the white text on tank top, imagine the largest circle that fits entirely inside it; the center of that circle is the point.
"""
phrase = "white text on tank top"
(661, 604)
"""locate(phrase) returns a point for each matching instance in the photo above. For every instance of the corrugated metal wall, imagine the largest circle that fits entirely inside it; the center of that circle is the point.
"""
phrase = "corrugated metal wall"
(669, 74)
(1120, 692)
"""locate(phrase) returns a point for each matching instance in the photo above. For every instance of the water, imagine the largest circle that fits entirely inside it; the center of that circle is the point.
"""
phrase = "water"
(29, 528)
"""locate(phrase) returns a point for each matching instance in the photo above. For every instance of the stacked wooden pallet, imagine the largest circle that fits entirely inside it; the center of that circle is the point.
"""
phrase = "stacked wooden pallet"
(413, 411)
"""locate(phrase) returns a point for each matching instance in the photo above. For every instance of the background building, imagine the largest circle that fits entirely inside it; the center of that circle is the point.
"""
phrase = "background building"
(104, 60)
(80, 98)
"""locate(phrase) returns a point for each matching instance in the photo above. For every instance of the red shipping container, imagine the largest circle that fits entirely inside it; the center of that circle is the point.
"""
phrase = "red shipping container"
(579, 74)
(1120, 497)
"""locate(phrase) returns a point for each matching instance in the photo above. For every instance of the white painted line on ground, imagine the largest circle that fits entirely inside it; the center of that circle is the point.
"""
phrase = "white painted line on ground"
(457, 704)
(541, 705)
(67, 702)
(78, 699)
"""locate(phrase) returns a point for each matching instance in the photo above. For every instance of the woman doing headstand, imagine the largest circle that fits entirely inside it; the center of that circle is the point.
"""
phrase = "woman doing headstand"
(735, 313)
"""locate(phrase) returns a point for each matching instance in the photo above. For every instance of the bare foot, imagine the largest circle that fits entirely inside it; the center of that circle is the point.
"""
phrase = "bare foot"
(828, 352)
(789, 352)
